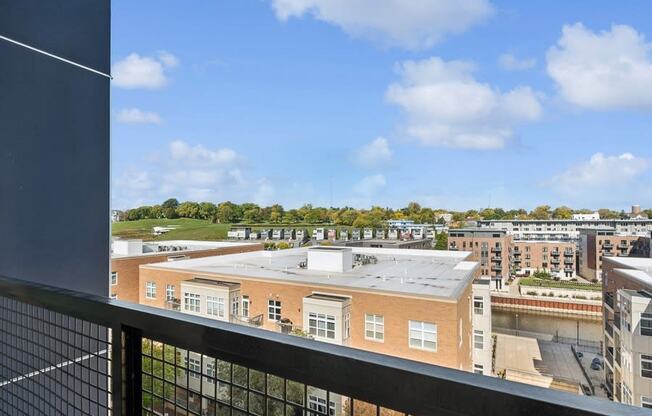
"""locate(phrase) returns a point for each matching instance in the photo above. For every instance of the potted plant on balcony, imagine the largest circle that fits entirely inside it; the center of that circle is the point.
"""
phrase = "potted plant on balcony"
(286, 325)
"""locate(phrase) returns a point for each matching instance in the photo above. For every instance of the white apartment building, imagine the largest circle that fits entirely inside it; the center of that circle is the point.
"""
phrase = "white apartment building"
(627, 302)
(566, 229)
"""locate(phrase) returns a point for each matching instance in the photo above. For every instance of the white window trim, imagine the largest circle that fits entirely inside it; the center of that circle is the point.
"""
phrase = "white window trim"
(150, 290)
(169, 288)
(278, 311)
(325, 319)
(646, 400)
(478, 333)
(192, 302)
(423, 331)
(375, 329)
(245, 301)
(475, 309)
(215, 303)
(114, 274)
(647, 360)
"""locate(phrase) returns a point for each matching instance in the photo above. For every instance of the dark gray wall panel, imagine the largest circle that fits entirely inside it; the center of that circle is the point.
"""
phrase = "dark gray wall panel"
(77, 30)
(54, 171)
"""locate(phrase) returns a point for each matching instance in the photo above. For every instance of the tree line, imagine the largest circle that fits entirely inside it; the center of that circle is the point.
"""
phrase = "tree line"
(249, 213)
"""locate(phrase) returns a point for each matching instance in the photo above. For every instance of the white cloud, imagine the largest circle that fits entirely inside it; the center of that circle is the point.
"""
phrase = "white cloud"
(369, 185)
(607, 70)
(601, 172)
(168, 59)
(143, 72)
(510, 62)
(445, 106)
(138, 116)
(191, 172)
(180, 150)
(412, 24)
(374, 154)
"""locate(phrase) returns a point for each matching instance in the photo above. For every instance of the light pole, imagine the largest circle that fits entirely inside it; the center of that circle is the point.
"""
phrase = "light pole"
(516, 324)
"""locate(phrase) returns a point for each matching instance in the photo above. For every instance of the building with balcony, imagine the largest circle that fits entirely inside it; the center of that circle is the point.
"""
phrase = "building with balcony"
(566, 229)
(414, 304)
(423, 244)
(490, 248)
(128, 255)
(66, 348)
(627, 318)
(555, 257)
(595, 244)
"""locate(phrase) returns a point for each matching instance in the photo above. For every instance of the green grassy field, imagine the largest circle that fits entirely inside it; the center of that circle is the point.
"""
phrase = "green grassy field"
(186, 229)
(533, 282)
(189, 229)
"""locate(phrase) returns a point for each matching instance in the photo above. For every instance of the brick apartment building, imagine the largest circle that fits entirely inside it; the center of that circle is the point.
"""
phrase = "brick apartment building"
(555, 257)
(491, 248)
(597, 244)
(128, 255)
(415, 304)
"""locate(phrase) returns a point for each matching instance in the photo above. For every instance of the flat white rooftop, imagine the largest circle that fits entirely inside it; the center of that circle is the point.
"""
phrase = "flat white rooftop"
(429, 273)
(637, 268)
(136, 248)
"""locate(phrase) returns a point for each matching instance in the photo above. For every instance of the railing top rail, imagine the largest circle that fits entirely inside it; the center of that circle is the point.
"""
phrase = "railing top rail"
(408, 386)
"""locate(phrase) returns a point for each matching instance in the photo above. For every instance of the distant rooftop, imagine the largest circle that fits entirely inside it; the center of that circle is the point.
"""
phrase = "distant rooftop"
(211, 282)
(122, 248)
(638, 268)
(430, 273)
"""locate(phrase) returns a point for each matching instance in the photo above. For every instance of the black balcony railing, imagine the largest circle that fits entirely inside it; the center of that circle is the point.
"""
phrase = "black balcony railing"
(64, 352)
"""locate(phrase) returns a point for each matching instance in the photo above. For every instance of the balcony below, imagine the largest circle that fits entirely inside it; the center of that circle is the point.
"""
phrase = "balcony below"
(134, 359)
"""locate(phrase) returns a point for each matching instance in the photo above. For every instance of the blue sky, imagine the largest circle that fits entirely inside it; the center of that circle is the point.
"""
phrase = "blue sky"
(454, 104)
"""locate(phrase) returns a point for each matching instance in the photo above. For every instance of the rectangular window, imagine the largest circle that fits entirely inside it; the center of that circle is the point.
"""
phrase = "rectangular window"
(274, 310)
(478, 368)
(215, 306)
(114, 278)
(478, 339)
(169, 293)
(646, 324)
(194, 367)
(646, 366)
(646, 402)
(150, 290)
(321, 325)
(235, 306)
(347, 326)
(478, 305)
(374, 327)
(191, 302)
(319, 405)
(423, 335)
(245, 306)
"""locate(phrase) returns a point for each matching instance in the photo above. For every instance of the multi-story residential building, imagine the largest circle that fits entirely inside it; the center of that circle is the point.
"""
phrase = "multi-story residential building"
(555, 257)
(596, 244)
(416, 304)
(566, 229)
(128, 255)
(423, 244)
(627, 307)
(491, 248)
